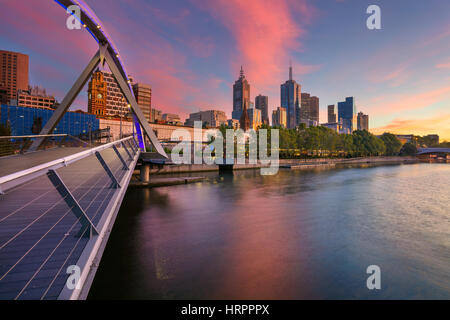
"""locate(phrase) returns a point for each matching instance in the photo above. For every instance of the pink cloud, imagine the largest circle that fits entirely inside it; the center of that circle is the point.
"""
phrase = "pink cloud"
(444, 65)
(264, 31)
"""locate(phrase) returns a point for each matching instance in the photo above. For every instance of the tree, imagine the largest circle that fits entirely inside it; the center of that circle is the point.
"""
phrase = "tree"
(408, 149)
(366, 144)
(5, 130)
(392, 143)
(6, 147)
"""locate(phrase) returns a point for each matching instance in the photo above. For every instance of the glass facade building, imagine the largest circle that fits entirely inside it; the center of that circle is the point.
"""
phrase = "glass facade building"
(347, 114)
(291, 100)
(28, 121)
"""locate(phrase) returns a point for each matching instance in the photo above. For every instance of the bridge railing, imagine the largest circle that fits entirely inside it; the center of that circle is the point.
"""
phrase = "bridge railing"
(11, 145)
(59, 214)
(17, 178)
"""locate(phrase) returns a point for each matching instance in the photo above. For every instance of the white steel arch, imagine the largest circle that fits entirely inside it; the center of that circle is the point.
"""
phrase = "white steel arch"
(107, 53)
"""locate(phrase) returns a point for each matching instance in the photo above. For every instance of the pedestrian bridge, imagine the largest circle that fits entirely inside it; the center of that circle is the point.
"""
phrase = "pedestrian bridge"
(432, 150)
(56, 215)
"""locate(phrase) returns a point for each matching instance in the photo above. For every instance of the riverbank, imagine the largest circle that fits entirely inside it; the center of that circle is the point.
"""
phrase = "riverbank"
(164, 182)
(293, 164)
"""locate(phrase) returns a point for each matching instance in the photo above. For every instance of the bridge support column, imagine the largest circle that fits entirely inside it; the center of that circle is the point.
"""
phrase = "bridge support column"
(145, 172)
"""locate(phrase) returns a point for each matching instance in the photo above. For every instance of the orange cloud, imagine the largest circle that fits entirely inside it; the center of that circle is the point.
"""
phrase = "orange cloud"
(435, 125)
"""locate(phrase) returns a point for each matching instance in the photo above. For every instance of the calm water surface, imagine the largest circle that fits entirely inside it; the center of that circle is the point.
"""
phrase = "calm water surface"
(291, 236)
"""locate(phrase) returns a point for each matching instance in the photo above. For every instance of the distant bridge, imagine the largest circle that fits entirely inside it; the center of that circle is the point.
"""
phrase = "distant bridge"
(421, 151)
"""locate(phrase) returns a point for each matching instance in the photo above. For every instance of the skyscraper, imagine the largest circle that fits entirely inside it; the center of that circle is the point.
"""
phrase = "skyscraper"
(244, 121)
(309, 111)
(262, 103)
(291, 100)
(363, 121)
(347, 115)
(97, 94)
(279, 117)
(116, 104)
(255, 118)
(143, 94)
(331, 114)
(241, 96)
(13, 74)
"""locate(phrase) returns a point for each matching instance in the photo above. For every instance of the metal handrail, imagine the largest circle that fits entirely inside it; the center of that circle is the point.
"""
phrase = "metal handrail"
(35, 136)
(17, 178)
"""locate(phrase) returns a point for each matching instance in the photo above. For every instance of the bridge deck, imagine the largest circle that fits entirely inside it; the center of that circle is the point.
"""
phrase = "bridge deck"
(38, 230)
(21, 162)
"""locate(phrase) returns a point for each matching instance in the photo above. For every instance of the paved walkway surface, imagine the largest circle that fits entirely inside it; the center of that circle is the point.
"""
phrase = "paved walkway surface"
(39, 233)
(19, 162)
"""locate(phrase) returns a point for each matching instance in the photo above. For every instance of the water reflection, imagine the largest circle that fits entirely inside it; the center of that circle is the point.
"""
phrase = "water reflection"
(294, 235)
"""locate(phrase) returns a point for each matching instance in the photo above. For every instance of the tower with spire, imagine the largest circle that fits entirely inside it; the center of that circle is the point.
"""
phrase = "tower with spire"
(291, 100)
(241, 95)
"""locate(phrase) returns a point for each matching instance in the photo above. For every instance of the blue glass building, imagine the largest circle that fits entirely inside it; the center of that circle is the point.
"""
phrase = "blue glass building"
(347, 114)
(22, 119)
(291, 100)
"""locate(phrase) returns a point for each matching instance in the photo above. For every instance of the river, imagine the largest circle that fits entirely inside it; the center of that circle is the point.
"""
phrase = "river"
(296, 235)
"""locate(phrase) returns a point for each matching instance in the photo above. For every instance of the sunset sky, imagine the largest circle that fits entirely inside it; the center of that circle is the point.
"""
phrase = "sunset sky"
(190, 52)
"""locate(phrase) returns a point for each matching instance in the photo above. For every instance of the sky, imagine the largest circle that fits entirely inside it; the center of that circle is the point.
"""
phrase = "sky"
(190, 52)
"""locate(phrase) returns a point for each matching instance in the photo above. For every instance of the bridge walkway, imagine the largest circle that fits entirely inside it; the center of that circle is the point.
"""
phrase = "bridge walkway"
(42, 232)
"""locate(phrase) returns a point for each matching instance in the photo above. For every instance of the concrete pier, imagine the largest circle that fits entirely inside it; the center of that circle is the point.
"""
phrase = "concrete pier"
(145, 172)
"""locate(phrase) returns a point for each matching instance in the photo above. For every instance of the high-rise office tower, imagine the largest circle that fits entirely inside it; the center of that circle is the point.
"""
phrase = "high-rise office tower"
(347, 115)
(97, 94)
(241, 95)
(262, 103)
(291, 100)
(309, 111)
(279, 117)
(244, 121)
(143, 94)
(331, 114)
(363, 121)
(13, 74)
(255, 118)
(116, 104)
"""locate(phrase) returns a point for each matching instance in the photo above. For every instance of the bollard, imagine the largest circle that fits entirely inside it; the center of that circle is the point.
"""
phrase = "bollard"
(145, 172)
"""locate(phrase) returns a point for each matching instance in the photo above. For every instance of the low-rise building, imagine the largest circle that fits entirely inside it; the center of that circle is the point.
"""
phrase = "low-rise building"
(156, 115)
(335, 126)
(35, 97)
(211, 118)
(171, 118)
(233, 123)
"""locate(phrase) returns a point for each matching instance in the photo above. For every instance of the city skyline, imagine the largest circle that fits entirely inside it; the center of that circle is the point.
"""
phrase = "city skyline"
(394, 76)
